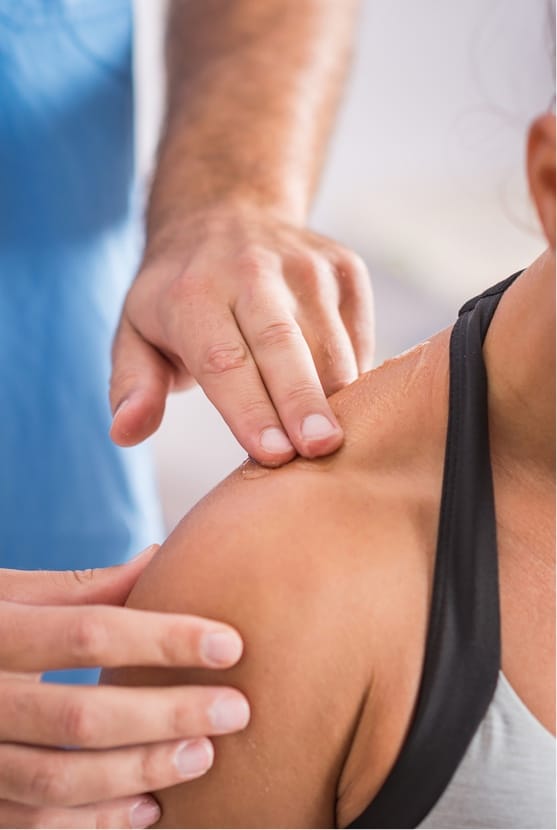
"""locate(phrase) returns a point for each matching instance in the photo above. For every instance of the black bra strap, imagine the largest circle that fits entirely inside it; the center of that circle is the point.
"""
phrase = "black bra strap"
(462, 654)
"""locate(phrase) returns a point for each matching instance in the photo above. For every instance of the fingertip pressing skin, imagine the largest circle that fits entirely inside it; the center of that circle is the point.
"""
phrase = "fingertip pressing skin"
(273, 448)
(317, 435)
(312, 445)
(274, 441)
(320, 435)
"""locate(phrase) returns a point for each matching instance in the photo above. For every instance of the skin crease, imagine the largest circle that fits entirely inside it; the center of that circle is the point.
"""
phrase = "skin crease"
(234, 292)
(325, 567)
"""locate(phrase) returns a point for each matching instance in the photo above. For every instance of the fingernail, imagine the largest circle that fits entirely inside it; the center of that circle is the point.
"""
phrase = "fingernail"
(221, 648)
(317, 426)
(229, 713)
(120, 407)
(193, 758)
(144, 813)
(274, 439)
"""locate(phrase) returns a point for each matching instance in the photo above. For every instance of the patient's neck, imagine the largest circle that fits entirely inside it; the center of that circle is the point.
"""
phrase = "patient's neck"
(520, 358)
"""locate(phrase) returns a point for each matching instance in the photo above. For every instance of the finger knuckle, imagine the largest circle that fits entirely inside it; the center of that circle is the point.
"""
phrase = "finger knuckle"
(88, 638)
(188, 289)
(310, 269)
(254, 411)
(180, 289)
(351, 261)
(79, 724)
(276, 333)
(149, 769)
(221, 358)
(181, 719)
(301, 393)
(255, 261)
(50, 785)
(332, 350)
(174, 643)
(352, 271)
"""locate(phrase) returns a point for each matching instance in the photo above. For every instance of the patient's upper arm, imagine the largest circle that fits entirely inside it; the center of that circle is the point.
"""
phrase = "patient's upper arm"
(265, 555)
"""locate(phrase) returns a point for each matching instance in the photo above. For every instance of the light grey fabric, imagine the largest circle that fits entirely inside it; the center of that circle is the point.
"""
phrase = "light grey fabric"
(507, 776)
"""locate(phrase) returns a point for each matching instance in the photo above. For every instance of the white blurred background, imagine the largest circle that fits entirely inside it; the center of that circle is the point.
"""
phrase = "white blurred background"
(425, 179)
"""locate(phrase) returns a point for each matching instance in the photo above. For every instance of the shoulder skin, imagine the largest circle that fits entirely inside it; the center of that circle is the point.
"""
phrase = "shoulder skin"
(324, 568)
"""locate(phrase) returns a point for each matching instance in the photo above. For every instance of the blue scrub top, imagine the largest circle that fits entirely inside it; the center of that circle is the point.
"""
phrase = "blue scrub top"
(69, 242)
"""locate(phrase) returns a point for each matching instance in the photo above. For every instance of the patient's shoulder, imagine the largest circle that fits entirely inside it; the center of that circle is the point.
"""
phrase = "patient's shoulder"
(309, 518)
(285, 558)
(321, 567)
(310, 521)
(273, 555)
(305, 534)
(268, 549)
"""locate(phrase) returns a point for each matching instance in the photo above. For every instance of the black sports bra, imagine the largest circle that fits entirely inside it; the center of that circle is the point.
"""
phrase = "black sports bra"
(462, 653)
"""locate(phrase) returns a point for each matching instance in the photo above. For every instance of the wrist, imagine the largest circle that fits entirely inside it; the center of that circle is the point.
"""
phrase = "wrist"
(213, 216)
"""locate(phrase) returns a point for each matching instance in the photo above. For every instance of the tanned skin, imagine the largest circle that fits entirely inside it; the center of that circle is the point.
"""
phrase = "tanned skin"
(234, 291)
(326, 567)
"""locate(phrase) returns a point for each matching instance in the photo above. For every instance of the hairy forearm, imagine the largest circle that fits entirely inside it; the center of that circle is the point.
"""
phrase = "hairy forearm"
(253, 86)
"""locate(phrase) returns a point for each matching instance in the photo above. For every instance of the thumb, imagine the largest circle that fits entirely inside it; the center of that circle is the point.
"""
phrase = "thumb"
(104, 586)
(140, 382)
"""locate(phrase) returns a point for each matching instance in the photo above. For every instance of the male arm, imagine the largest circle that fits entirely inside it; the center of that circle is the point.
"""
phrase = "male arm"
(234, 292)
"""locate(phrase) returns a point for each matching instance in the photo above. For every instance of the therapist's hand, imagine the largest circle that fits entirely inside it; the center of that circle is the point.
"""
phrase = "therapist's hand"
(132, 741)
(269, 318)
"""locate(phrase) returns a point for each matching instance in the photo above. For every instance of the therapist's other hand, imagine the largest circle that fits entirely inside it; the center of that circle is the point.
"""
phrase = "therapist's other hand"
(131, 741)
(269, 318)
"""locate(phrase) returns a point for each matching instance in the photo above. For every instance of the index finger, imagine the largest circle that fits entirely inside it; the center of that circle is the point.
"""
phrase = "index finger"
(41, 638)
(224, 367)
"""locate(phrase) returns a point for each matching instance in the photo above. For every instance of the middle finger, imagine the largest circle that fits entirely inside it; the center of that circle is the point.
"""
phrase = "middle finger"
(41, 638)
(286, 364)
(106, 716)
